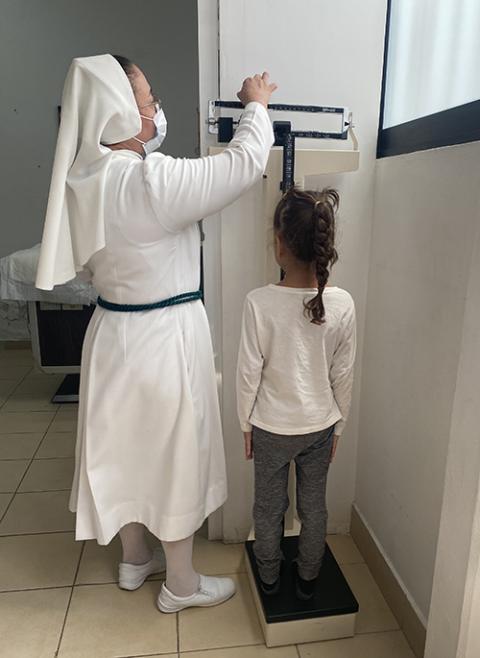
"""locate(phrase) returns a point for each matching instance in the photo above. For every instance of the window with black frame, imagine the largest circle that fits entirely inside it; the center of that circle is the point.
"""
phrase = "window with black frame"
(431, 76)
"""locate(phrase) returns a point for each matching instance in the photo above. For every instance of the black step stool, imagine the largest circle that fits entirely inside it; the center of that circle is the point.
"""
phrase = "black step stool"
(285, 619)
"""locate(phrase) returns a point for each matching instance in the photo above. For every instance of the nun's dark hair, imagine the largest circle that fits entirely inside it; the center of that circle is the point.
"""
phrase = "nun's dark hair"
(127, 65)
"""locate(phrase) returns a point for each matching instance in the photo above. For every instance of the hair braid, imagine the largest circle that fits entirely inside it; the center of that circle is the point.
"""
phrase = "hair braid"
(306, 222)
(325, 254)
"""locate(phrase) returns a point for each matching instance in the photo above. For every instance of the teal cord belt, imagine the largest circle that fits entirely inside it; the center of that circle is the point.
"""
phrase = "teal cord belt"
(136, 308)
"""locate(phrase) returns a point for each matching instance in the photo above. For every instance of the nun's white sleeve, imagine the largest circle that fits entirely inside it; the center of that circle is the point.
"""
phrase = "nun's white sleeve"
(249, 366)
(183, 190)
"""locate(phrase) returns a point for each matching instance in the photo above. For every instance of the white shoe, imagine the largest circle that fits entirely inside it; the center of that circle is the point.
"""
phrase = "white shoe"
(132, 576)
(211, 591)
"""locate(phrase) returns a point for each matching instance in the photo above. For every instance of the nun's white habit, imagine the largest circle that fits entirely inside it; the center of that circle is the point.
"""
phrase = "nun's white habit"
(149, 443)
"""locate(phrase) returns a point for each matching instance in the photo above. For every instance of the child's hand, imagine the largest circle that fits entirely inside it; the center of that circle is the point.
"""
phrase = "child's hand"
(248, 445)
(334, 447)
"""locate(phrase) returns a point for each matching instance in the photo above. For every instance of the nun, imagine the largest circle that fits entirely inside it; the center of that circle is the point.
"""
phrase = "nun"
(149, 451)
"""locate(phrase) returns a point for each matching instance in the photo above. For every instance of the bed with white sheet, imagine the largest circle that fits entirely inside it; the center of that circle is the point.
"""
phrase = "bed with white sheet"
(54, 320)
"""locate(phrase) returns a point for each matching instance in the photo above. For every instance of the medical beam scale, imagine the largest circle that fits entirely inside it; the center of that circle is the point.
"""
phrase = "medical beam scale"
(285, 136)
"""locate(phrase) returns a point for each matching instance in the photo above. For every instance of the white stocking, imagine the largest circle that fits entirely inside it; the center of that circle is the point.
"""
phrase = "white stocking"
(134, 545)
(182, 579)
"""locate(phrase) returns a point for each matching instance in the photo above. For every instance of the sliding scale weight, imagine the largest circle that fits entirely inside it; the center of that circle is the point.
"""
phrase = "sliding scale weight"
(284, 135)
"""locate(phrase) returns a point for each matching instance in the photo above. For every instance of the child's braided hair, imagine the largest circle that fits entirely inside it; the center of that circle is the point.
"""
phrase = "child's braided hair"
(305, 220)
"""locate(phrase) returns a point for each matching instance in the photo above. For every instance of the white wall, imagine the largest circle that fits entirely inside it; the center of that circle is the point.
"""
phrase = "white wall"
(319, 52)
(453, 628)
(425, 217)
(37, 43)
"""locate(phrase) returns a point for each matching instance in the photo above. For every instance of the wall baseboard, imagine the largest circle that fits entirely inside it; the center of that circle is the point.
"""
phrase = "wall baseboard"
(407, 616)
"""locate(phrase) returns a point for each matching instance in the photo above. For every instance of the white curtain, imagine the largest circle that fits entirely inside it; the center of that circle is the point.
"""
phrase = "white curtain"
(433, 58)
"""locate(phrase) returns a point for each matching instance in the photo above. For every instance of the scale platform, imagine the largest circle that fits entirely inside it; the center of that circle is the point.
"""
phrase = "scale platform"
(285, 619)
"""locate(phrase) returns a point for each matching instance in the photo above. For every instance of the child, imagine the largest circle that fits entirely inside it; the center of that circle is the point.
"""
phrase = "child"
(294, 382)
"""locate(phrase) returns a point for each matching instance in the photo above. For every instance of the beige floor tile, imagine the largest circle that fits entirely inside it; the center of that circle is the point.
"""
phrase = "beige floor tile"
(41, 386)
(18, 356)
(57, 444)
(33, 395)
(48, 475)
(37, 373)
(7, 386)
(374, 614)
(11, 473)
(231, 624)
(38, 513)
(215, 557)
(54, 379)
(17, 345)
(25, 422)
(36, 561)
(344, 549)
(4, 501)
(19, 446)
(31, 622)
(68, 409)
(99, 564)
(64, 423)
(8, 371)
(31, 403)
(258, 651)
(105, 621)
(371, 645)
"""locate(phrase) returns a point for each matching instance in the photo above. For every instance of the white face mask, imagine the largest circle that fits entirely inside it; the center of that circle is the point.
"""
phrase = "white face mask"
(161, 130)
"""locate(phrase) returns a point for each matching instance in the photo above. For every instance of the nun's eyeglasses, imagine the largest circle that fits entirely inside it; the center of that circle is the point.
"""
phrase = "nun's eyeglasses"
(156, 102)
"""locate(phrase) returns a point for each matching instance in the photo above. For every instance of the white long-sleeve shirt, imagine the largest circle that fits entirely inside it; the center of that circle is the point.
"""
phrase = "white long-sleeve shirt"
(295, 377)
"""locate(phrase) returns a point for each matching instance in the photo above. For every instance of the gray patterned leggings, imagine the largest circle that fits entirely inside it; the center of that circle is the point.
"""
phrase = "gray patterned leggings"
(272, 455)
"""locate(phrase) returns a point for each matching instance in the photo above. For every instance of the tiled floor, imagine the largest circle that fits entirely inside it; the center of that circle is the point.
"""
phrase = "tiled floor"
(59, 597)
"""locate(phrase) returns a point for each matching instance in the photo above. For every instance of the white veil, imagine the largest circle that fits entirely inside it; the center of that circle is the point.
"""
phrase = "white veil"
(98, 107)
